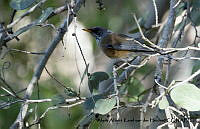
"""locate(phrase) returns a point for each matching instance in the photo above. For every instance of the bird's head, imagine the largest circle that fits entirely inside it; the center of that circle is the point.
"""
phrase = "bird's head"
(98, 32)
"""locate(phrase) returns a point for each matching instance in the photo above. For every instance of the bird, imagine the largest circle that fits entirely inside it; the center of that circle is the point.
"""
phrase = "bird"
(116, 45)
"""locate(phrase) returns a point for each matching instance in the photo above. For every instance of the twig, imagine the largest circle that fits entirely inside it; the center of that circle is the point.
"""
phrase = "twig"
(152, 45)
(54, 78)
(27, 52)
(74, 34)
(5, 95)
(156, 12)
(39, 101)
(186, 80)
(54, 108)
(11, 92)
(10, 103)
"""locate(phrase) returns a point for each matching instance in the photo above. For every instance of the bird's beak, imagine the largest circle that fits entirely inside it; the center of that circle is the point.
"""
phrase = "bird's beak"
(88, 30)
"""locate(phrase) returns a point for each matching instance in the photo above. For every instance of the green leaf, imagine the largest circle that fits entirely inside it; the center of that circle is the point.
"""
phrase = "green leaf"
(195, 15)
(95, 78)
(21, 4)
(186, 96)
(163, 104)
(45, 14)
(90, 102)
(104, 106)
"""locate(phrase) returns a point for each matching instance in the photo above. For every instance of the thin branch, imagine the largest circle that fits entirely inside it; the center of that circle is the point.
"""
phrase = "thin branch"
(151, 44)
(186, 80)
(27, 52)
(5, 95)
(11, 92)
(54, 78)
(26, 14)
(2, 106)
(54, 108)
(74, 34)
(156, 12)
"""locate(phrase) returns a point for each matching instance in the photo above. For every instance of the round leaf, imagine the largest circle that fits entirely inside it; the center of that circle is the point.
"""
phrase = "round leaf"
(89, 104)
(186, 96)
(95, 79)
(103, 106)
(21, 4)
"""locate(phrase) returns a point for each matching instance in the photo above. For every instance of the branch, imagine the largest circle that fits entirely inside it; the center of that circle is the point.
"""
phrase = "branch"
(26, 14)
(163, 42)
(59, 36)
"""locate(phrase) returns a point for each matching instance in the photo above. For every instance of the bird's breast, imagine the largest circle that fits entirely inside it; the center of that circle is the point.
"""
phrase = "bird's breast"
(112, 53)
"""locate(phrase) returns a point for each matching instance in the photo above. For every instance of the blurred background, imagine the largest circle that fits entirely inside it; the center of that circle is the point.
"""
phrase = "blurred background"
(66, 63)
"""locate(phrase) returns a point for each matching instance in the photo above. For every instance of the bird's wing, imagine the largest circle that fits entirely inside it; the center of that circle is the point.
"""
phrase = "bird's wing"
(134, 47)
(124, 42)
(123, 37)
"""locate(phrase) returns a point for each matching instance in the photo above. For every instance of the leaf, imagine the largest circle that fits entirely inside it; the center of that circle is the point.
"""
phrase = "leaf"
(186, 96)
(90, 102)
(163, 104)
(21, 4)
(104, 106)
(195, 15)
(95, 78)
(45, 14)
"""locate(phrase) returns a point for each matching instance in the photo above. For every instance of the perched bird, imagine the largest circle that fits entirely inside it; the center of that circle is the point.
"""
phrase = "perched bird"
(118, 45)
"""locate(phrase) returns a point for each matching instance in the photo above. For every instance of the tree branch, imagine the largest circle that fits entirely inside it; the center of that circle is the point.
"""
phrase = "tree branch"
(61, 31)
